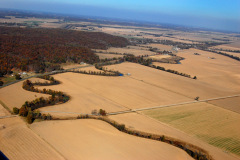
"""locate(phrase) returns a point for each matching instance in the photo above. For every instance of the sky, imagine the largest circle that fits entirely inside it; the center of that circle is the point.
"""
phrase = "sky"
(213, 14)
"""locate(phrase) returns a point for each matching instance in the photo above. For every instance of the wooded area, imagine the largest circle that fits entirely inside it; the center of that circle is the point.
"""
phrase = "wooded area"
(40, 50)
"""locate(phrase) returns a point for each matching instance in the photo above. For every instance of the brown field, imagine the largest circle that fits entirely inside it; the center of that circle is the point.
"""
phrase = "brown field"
(135, 52)
(214, 125)
(93, 139)
(178, 84)
(89, 92)
(161, 47)
(221, 71)
(232, 46)
(21, 143)
(105, 55)
(141, 122)
(157, 57)
(232, 104)
(71, 65)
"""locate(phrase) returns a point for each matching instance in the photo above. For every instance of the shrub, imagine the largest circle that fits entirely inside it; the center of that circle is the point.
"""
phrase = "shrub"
(17, 76)
(162, 138)
(30, 117)
(23, 111)
(197, 98)
(1, 83)
(102, 112)
(194, 77)
(121, 127)
(15, 110)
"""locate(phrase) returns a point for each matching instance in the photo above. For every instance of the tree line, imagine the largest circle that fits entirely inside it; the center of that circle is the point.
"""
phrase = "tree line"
(29, 107)
(225, 54)
(148, 62)
(194, 151)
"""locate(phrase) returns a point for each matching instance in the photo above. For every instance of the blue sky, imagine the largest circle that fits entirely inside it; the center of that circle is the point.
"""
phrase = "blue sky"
(215, 14)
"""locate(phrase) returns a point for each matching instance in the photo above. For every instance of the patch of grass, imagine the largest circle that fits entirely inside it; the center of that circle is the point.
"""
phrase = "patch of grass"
(8, 79)
(227, 143)
(169, 117)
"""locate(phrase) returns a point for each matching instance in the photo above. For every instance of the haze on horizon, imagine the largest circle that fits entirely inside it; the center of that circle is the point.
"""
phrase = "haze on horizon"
(212, 14)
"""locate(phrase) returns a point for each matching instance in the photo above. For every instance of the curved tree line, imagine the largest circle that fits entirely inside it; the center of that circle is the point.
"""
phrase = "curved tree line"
(148, 62)
(194, 151)
(28, 109)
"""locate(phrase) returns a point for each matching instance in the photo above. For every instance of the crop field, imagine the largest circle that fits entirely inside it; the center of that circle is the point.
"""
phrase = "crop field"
(174, 83)
(71, 65)
(105, 55)
(232, 46)
(18, 142)
(232, 104)
(221, 71)
(161, 47)
(15, 96)
(94, 139)
(89, 92)
(135, 52)
(157, 57)
(141, 122)
(214, 125)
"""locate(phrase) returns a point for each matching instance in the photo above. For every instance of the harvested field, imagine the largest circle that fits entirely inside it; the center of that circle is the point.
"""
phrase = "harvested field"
(232, 46)
(221, 71)
(94, 139)
(105, 55)
(232, 104)
(157, 57)
(89, 92)
(177, 84)
(72, 65)
(21, 143)
(135, 52)
(161, 47)
(15, 96)
(214, 125)
(144, 123)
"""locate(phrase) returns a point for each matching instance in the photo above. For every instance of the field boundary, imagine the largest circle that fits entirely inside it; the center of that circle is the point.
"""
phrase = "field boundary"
(192, 150)
(6, 107)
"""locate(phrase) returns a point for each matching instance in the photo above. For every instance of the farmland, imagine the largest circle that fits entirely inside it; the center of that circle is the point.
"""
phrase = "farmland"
(212, 125)
(135, 52)
(20, 142)
(109, 93)
(89, 139)
(220, 130)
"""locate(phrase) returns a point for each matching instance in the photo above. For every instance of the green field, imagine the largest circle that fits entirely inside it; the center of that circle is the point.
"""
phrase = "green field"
(214, 125)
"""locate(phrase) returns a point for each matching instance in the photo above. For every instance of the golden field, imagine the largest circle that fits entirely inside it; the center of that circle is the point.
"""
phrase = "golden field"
(18, 142)
(94, 139)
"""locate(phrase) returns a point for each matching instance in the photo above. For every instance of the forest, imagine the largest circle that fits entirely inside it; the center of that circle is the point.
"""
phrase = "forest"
(41, 50)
